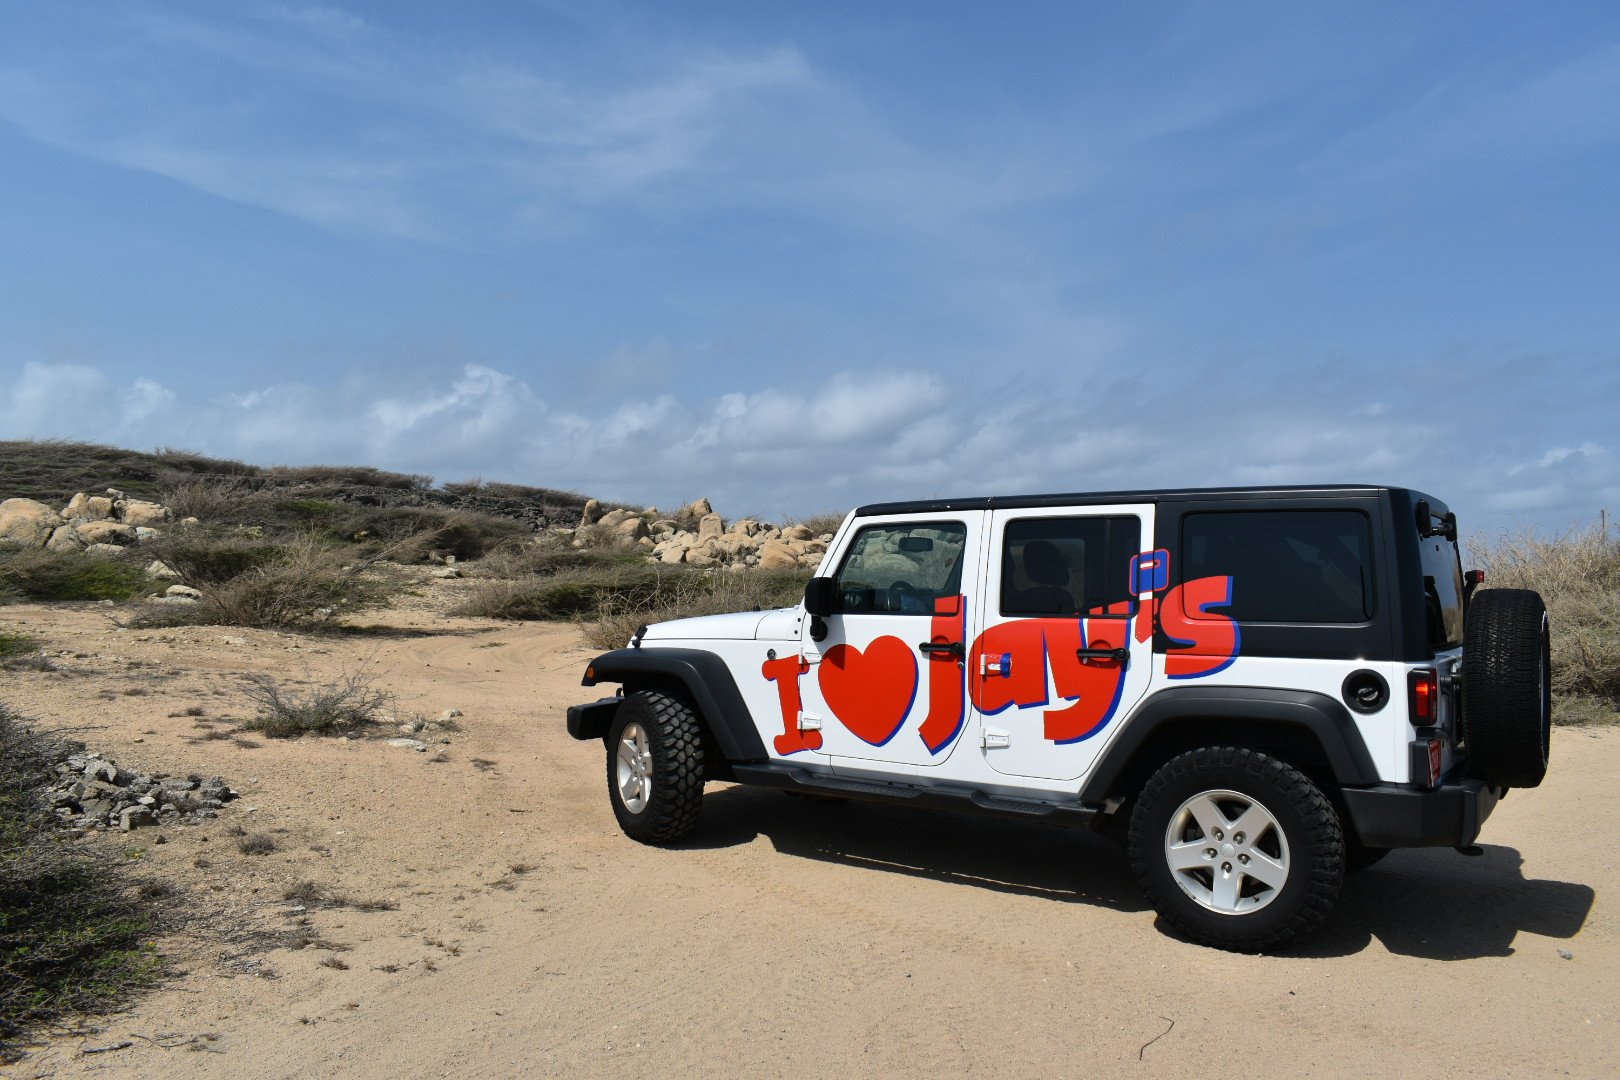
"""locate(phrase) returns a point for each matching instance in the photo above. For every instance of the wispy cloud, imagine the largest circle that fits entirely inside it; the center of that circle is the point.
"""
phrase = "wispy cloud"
(859, 437)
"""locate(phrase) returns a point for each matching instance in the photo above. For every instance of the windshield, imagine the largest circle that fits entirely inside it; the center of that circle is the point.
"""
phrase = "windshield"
(1443, 588)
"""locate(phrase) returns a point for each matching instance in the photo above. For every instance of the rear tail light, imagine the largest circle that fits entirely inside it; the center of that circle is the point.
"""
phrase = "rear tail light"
(1424, 697)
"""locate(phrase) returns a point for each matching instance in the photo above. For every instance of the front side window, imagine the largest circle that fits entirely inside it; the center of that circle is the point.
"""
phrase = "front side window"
(1286, 566)
(1068, 566)
(902, 568)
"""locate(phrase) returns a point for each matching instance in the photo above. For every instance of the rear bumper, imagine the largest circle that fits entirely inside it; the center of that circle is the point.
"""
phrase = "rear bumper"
(590, 722)
(1448, 816)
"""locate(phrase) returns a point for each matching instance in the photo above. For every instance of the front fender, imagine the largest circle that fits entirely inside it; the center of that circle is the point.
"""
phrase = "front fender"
(707, 681)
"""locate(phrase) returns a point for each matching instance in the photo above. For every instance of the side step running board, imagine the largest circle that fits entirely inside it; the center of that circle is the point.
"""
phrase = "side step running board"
(970, 800)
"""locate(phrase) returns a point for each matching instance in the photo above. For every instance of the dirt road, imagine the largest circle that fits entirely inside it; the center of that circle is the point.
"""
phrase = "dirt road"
(791, 938)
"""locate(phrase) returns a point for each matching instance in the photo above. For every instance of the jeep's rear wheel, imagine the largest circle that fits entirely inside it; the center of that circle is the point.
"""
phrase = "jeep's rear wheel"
(655, 767)
(1236, 849)
(1507, 687)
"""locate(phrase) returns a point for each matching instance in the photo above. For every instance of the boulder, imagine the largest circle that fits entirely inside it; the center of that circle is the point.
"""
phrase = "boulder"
(590, 513)
(106, 532)
(161, 571)
(183, 590)
(797, 532)
(672, 555)
(710, 525)
(144, 535)
(82, 508)
(613, 518)
(138, 512)
(27, 522)
(775, 555)
(628, 530)
(699, 557)
(695, 511)
(745, 526)
(104, 551)
(64, 539)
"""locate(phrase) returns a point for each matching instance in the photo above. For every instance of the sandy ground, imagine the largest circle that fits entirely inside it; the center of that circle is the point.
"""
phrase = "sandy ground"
(790, 938)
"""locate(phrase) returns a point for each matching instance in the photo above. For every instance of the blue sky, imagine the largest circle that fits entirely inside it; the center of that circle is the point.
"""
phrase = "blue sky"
(795, 257)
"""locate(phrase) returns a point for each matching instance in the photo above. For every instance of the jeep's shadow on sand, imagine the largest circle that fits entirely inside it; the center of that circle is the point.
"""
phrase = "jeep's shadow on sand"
(1429, 904)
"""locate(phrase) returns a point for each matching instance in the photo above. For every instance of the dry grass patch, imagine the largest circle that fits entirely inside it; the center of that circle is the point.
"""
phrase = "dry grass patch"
(1577, 573)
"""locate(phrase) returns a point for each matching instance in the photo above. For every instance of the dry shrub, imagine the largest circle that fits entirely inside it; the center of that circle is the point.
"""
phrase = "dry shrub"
(820, 524)
(1577, 573)
(698, 593)
(209, 498)
(299, 583)
(342, 706)
(525, 560)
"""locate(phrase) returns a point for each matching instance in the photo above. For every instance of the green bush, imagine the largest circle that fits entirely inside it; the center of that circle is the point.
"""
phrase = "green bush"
(73, 937)
(204, 559)
(36, 574)
(13, 644)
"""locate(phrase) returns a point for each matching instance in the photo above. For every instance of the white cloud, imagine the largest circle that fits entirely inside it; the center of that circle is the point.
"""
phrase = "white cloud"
(860, 436)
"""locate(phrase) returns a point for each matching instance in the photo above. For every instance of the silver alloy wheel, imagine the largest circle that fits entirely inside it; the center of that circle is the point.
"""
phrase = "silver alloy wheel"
(1227, 852)
(634, 768)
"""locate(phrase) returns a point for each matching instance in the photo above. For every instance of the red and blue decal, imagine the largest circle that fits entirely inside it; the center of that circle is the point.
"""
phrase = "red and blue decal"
(871, 692)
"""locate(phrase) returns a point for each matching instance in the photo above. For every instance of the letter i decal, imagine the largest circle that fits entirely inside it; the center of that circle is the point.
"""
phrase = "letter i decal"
(784, 671)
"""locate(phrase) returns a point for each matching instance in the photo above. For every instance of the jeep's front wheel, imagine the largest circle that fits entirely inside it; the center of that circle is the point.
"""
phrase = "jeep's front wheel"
(1236, 849)
(655, 767)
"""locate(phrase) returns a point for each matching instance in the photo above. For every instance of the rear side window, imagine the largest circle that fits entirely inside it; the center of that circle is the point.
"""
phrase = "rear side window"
(1286, 566)
(901, 569)
(1068, 566)
(1442, 591)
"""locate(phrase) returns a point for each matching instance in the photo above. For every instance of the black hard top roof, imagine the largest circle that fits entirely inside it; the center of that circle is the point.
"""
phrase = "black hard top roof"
(1002, 502)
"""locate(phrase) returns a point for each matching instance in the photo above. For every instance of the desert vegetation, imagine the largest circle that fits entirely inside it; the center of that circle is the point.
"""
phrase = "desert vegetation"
(75, 932)
(1577, 572)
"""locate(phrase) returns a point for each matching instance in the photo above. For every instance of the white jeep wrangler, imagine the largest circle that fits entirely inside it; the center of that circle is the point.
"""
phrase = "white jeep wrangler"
(1260, 688)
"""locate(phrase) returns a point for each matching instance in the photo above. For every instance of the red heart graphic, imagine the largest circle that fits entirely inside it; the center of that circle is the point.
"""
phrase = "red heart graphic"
(870, 692)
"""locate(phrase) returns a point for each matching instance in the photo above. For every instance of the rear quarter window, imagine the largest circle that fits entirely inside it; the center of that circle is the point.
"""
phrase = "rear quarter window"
(1286, 566)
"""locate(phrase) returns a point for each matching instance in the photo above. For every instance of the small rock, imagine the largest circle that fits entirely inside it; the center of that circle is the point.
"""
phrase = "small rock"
(183, 590)
(1565, 954)
(408, 744)
(449, 714)
(134, 817)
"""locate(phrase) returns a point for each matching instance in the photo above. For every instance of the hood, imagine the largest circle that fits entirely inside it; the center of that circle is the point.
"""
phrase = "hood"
(739, 626)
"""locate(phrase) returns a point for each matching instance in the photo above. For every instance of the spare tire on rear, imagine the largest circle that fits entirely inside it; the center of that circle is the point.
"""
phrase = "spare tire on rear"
(1507, 687)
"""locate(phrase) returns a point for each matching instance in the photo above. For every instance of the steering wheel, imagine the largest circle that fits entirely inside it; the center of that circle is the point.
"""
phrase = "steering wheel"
(904, 596)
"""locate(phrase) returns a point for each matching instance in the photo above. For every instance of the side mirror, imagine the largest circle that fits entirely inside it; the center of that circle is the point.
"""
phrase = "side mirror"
(821, 596)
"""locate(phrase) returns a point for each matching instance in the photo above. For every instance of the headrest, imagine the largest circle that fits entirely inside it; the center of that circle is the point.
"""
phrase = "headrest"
(1045, 564)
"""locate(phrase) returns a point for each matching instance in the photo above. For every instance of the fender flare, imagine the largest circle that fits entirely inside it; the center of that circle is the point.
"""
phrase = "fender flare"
(1324, 718)
(705, 677)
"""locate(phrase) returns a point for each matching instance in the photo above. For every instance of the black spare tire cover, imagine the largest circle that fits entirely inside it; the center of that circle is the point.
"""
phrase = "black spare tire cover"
(1507, 687)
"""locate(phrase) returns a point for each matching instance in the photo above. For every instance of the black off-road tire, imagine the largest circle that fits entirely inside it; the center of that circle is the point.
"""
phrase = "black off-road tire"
(1507, 687)
(1307, 820)
(674, 739)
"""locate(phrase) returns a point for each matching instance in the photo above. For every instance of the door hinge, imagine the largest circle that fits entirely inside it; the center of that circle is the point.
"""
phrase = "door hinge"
(807, 722)
(996, 739)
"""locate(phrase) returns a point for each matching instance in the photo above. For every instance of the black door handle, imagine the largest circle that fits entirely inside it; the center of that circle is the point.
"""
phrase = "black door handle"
(951, 648)
(1122, 654)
